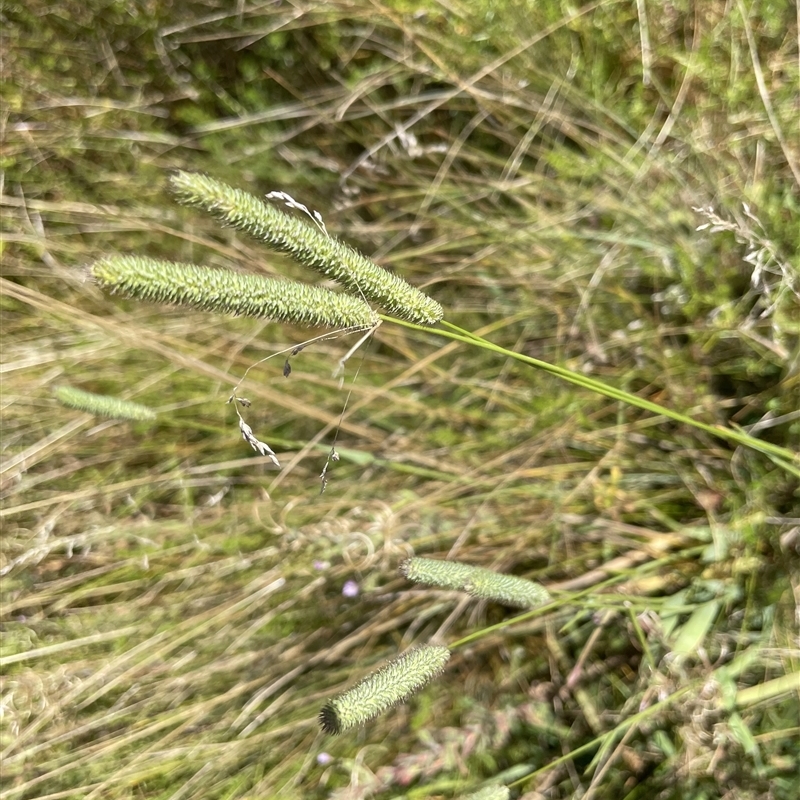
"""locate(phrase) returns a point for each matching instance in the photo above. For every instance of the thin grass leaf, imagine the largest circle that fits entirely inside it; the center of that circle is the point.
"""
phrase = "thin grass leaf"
(307, 244)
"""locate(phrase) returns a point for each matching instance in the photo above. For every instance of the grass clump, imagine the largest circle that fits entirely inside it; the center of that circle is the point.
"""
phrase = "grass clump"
(175, 612)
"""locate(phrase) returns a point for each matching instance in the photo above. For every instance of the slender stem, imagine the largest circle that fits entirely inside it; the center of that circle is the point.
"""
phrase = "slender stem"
(781, 456)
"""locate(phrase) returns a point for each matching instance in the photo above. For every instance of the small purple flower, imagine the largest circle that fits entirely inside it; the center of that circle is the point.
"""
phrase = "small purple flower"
(324, 758)
(321, 564)
(350, 589)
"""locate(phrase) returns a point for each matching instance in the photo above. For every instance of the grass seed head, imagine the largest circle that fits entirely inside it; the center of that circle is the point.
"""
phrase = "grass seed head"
(231, 292)
(477, 581)
(103, 405)
(393, 683)
(309, 244)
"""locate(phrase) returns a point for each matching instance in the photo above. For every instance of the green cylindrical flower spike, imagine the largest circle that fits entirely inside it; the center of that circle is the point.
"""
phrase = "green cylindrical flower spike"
(231, 292)
(477, 581)
(393, 683)
(307, 244)
(103, 405)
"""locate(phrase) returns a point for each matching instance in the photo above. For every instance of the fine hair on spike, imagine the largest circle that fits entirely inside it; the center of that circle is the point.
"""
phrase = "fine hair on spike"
(102, 405)
(232, 292)
(309, 244)
(477, 581)
(391, 684)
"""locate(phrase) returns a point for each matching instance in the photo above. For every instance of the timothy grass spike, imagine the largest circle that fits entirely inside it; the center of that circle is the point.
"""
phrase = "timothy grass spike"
(231, 292)
(393, 683)
(102, 405)
(308, 244)
(477, 581)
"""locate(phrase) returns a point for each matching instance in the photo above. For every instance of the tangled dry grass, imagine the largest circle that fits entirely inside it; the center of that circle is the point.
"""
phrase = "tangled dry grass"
(172, 606)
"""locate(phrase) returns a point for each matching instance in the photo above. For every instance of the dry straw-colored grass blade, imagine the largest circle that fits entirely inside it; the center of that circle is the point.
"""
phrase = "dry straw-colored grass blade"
(494, 792)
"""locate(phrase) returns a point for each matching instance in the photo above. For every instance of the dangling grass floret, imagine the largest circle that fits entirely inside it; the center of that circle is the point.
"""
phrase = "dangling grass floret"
(232, 293)
(262, 448)
(311, 245)
(290, 202)
(393, 683)
(477, 581)
(103, 405)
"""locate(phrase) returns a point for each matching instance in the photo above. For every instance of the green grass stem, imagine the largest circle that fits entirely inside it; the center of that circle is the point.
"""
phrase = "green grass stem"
(781, 456)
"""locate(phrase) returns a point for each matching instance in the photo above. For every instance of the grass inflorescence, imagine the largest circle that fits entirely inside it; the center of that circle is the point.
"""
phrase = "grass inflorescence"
(229, 292)
(477, 581)
(102, 405)
(307, 244)
(391, 684)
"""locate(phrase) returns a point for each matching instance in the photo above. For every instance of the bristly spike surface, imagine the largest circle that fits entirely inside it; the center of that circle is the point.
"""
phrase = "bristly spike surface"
(477, 581)
(232, 292)
(391, 684)
(308, 244)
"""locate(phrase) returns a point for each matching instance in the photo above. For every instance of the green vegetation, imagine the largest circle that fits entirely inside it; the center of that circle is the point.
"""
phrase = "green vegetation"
(605, 201)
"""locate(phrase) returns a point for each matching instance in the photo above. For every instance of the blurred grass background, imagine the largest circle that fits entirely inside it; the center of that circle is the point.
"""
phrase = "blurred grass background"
(172, 608)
